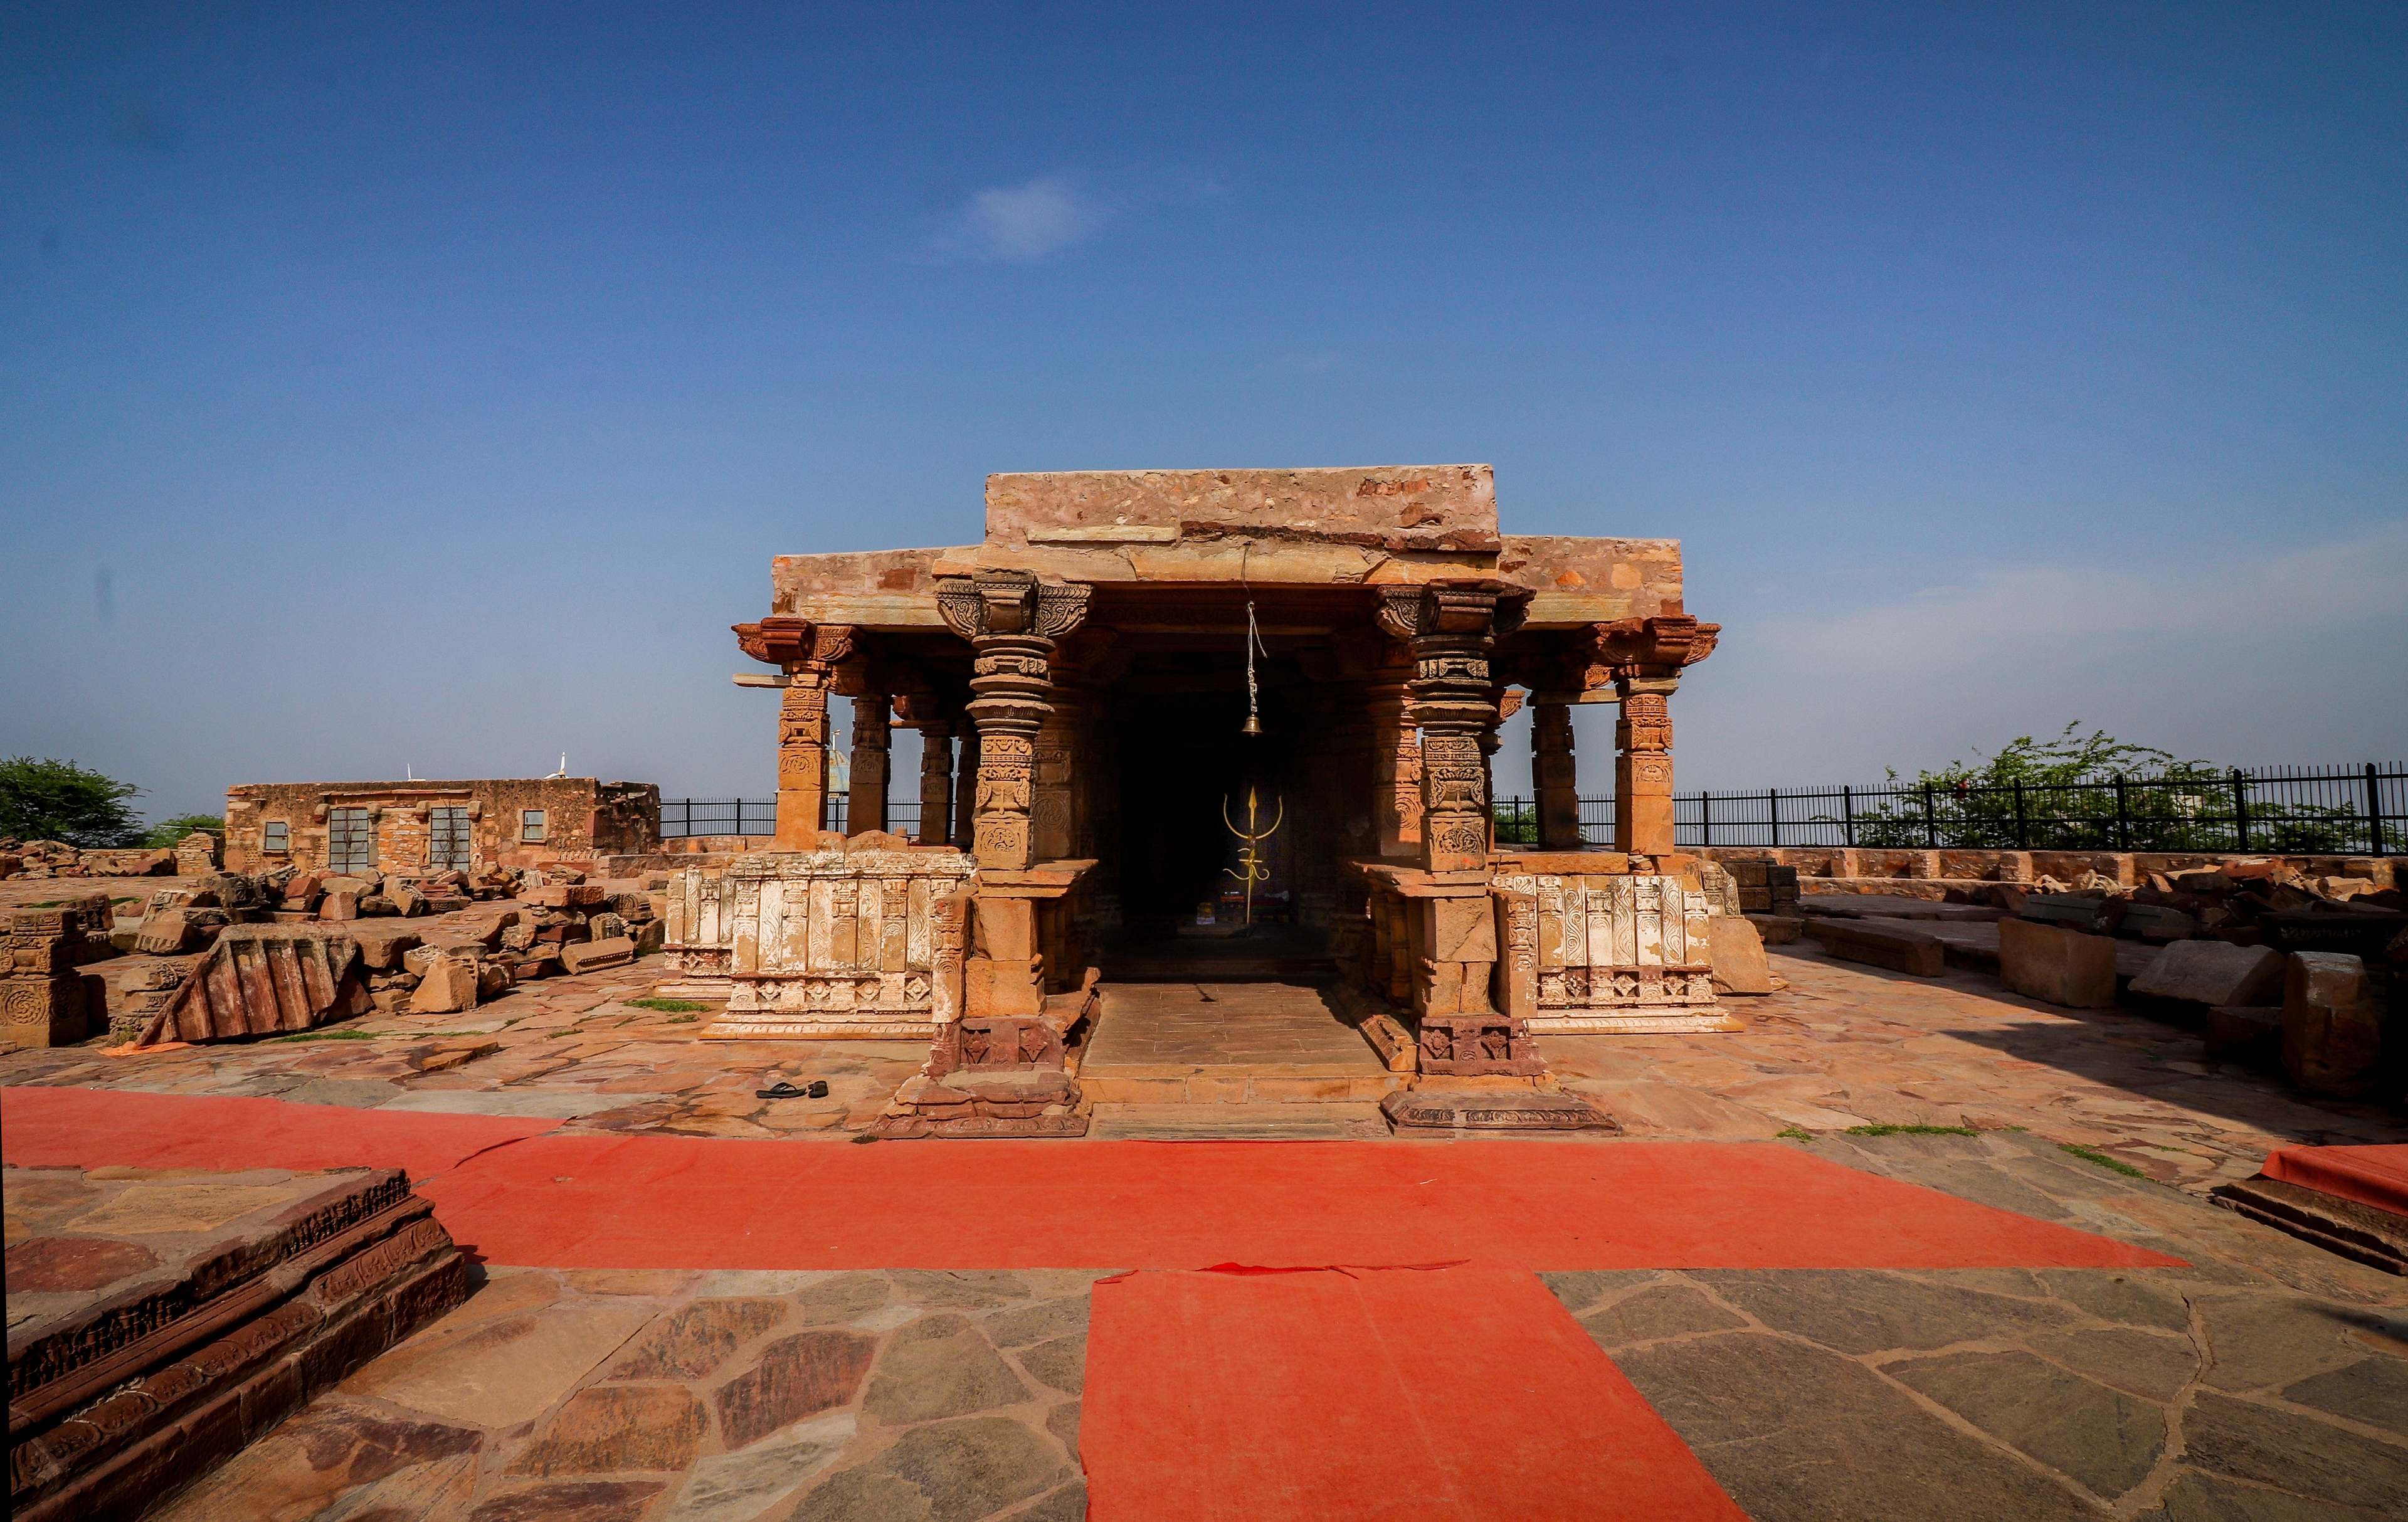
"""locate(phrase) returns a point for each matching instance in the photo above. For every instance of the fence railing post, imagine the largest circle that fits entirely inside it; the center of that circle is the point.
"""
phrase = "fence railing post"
(1772, 800)
(2123, 824)
(2023, 830)
(2240, 809)
(2373, 812)
(1705, 819)
(1930, 820)
(1847, 816)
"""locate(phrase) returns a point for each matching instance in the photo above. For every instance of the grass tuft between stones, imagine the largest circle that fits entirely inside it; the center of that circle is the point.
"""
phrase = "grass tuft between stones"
(1795, 1133)
(1912, 1130)
(2091, 1154)
(673, 1006)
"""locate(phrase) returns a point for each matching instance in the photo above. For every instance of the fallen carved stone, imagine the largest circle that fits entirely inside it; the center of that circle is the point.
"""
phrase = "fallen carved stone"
(261, 979)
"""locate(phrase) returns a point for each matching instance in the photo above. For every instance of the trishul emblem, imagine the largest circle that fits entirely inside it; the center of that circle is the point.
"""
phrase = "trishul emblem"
(1252, 868)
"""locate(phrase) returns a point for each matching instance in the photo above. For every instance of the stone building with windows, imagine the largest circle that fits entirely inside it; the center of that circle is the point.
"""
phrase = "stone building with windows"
(1103, 683)
(417, 828)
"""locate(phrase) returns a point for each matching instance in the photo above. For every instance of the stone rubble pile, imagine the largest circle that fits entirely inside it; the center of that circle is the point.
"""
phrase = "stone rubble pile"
(56, 858)
(2277, 967)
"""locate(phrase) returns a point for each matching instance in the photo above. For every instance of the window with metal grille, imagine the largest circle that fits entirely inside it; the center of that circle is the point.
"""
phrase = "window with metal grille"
(531, 825)
(275, 838)
(350, 840)
(447, 839)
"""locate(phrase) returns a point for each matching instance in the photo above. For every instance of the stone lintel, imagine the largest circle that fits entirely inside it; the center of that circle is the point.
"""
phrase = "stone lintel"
(1445, 506)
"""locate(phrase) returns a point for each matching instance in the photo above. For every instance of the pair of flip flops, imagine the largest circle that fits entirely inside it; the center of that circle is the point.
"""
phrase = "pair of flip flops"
(783, 1090)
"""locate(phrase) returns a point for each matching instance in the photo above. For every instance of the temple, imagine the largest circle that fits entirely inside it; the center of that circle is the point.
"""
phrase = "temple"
(1174, 720)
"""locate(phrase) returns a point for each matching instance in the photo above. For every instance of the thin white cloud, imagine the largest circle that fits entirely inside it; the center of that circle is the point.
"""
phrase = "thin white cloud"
(1022, 223)
(2033, 609)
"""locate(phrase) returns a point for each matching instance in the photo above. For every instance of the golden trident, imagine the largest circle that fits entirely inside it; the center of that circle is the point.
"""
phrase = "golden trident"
(1251, 869)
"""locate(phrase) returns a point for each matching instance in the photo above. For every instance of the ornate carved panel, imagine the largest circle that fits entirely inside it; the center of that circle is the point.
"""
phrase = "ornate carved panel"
(835, 942)
(1576, 945)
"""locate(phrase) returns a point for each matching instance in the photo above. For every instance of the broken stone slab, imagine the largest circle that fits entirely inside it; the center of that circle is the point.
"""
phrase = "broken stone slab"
(594, 955)
(447, 986)
(339, 905)
(2206, 973)
(492, 926)
(1506, 1110)
(2333, 1025)
(264, 980)
(2057, 966)
(382, 946)
(1896, 947)
(172, 932)
(1736, 952)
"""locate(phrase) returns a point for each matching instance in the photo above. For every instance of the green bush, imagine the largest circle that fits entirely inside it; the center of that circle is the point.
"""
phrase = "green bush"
(43, 800)
(169, 831)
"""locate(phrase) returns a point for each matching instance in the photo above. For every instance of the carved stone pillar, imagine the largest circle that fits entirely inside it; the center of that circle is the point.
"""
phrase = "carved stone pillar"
(808, 653)
(872, 739)
(1642, 769)
(1049, 782)
(924, 712)
(966, 788)
(1397, 769)
(1011, 621)
(1554, 776)
(1453, 626)
(936, 782)
(1646, 655)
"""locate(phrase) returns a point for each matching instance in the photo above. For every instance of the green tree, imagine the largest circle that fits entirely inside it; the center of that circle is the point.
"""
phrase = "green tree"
(42, 800)
(2093, 792)
(169, 831)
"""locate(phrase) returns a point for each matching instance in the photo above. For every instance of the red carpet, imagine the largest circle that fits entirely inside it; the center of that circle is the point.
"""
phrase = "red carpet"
(598, 1201)
(1460, 1393)
(2377, 1176)
(94, 1128)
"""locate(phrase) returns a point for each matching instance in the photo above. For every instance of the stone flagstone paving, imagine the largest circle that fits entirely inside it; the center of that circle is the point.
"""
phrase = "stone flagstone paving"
(2268, 1380)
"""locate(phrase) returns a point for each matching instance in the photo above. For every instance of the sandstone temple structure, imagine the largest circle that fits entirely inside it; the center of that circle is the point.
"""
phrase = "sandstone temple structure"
(1102, 683)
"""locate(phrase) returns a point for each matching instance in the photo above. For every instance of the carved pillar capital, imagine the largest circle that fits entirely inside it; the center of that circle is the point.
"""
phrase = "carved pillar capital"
(1650, 648)
(788, 642)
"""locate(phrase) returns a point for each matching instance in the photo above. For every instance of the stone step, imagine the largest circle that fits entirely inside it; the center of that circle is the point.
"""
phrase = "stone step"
(1290, 1083)
(1333, 1122)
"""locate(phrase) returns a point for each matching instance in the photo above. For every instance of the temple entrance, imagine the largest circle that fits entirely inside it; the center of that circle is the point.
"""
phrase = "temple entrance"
(1186, 768)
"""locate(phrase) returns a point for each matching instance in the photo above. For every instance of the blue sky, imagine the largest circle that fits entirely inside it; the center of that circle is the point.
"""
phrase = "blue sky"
(429, 386)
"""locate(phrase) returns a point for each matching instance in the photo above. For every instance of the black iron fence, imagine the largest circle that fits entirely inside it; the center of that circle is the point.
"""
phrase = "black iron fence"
(2299, 810)
(681, 818)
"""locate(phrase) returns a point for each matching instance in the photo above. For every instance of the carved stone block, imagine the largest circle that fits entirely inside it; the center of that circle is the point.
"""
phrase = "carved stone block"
(1478, 1046)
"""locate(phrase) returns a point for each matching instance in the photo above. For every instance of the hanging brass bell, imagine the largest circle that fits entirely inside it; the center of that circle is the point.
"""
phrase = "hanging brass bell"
(1253, 727)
